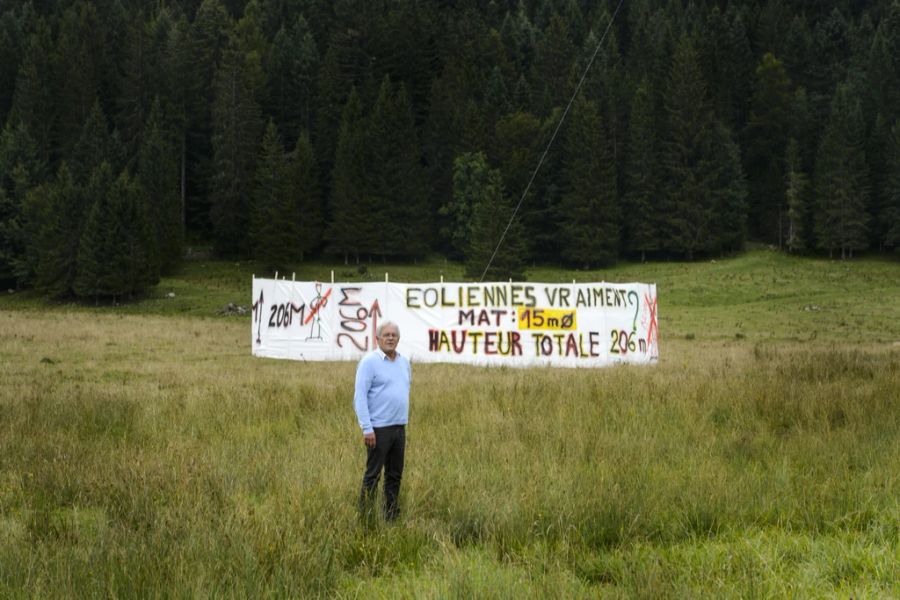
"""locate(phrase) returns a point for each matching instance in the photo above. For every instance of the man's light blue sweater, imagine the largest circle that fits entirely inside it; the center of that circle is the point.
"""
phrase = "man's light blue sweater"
(382, 391)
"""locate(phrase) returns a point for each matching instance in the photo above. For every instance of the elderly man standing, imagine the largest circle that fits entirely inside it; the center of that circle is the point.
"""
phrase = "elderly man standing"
(381, 401)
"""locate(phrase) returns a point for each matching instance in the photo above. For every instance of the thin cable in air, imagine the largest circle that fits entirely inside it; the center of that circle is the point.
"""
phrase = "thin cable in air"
(552, 138)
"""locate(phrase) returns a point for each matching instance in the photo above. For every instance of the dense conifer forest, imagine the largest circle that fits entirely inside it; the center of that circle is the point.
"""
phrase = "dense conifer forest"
(280, 130)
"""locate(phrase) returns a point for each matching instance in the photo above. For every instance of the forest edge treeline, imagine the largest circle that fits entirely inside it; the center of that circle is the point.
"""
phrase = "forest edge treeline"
(283, 129)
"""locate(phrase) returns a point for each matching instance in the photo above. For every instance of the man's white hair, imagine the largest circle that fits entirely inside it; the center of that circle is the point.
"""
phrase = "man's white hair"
(384, 324)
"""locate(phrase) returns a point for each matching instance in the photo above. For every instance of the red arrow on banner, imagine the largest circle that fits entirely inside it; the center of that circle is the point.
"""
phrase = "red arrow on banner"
(375, 311)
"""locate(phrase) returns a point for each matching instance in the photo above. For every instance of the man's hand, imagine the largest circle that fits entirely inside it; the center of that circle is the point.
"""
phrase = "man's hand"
(369, 439)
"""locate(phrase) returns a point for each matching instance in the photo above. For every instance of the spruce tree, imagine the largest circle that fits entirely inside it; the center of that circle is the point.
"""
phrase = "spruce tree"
(209, 40)
(11, 50)
(474, 135)
(408, 50)
(797, 196)
(515, 152)
(348, 202)
(205, 44)
(382, 183)
(180, 93)
(295, 61)
(772, 26)
(804, 128)
(877, 151)
(95, 145)
(11, 238)
(21, 169)
(652, 50)
(395, 182)
(890, 211)
(606, 84)
(142, 266)
(410, 206)
(841, 220)
(711, 50)
(552, 65)
(521, 95)
(137, 85)
(248, 31)
(798, 51)
(55, 215)
(30, 221)
(332, 85)
(145, 76)
(766, 135)
(456, 121)
(456, 212)
(519, 38)
(236, 136)
(306, 195)
(641, 201)
(33, 101)
(689, 206)
(590, 209)
(580, 22)
(475, 184)
(496, 98)
(734, 88)
(442, 134)
(883, 68)
(95, 254)
(158, 174)
(347, 64)
(19, 150)
(117, 251)
(78, 70)
(728, 187)
(274, 220)
(828, 62)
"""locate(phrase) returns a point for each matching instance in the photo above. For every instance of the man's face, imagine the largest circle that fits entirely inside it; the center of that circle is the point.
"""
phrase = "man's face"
(388, 339)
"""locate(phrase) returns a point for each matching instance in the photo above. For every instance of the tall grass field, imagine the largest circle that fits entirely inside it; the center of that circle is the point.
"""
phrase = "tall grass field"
(144, 453)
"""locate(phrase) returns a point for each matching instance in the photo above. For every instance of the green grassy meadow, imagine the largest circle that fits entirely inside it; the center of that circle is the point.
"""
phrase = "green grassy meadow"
(145, 453)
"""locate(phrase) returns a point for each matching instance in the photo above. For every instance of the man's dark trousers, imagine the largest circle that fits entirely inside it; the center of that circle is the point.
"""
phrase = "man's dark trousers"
(390, 444)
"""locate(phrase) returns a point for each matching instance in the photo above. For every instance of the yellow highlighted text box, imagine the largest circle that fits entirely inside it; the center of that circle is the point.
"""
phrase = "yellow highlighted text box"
(547, 318)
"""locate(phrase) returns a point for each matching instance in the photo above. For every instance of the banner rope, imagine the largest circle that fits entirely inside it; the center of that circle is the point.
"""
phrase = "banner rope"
(552, 138)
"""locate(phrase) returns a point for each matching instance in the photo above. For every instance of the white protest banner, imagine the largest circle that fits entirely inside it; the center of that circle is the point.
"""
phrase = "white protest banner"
(515, 324)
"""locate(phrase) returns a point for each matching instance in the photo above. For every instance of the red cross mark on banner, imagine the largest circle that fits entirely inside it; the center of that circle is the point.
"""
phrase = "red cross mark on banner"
(314, 308)
(653, 327)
